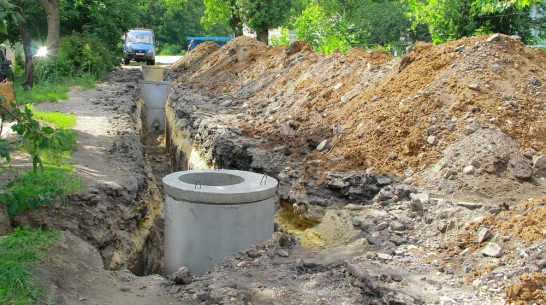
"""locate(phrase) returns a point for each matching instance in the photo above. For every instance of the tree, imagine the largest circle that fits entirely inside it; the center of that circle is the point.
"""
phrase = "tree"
(29, 64)
(453, 19)
(258, 15)
(262, 15)
(51, 8)
(223, 11)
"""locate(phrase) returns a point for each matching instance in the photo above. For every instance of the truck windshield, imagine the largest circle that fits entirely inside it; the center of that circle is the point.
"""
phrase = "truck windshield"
(139, 38)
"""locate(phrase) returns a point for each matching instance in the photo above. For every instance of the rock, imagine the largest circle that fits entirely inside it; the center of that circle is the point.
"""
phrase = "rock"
(366, 225)
(493, 37)
(384, 256)
(380, 241)
(384, 194)
(397, 240)
(396, 277)
(415, 205)
(450, 174)
(474, 86)
(540, 162)
(492, 250)
(324, 145)
(281, 148)
(392, 155)
(253, 253)
(471, 128)
(460, 48)
(422, 197)
(283, 253)
(483, 235)
(495, 68)
(521, 169)
(361, 274)
(469, 205)
(468, 170)
(382, 226)
(530, 154)
(431, 140)
(202, 296)
(285, 129)
(226, 103)
(397, 225)
(182, 276)
(383, 179)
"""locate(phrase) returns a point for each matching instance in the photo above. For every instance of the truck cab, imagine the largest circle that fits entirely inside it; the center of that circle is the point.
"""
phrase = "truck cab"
(139, 45)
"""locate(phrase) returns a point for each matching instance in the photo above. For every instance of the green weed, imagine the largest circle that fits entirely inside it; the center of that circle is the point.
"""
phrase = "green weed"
(59, 120)
(18, 252)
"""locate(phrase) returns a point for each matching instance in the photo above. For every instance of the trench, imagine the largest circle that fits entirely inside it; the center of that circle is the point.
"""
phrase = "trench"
(173, 149)
(198, 135)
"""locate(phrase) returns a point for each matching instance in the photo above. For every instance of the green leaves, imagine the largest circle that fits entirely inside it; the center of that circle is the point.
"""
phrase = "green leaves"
(42, 185)
(453, 19)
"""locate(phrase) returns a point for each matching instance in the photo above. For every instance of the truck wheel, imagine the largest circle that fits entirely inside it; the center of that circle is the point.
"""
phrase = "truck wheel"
(151, 62)
(127, 61)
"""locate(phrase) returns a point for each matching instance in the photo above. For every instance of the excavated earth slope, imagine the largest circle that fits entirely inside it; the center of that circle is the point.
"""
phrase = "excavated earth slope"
(401, 156)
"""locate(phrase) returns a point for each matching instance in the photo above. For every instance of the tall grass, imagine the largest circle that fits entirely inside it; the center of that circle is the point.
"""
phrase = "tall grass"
(19, 251)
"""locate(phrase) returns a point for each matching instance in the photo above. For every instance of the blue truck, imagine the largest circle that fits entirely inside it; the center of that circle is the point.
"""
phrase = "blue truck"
(139, 45)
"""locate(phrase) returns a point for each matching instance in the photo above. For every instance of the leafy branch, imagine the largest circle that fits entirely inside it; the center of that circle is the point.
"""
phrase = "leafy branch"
(39, 138)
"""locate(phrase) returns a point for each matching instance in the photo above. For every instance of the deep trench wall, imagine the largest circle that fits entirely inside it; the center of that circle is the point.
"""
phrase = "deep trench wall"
(200, 128)
(118, 218)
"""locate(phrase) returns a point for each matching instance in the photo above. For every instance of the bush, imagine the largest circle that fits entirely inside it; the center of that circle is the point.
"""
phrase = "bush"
(79, 54)
(170, 49)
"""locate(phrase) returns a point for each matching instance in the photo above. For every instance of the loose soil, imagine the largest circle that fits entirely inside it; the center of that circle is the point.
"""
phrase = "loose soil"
(458, 128)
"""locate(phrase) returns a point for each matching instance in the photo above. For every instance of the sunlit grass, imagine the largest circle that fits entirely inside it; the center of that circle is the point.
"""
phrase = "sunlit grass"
(52, 91)
(59, 120)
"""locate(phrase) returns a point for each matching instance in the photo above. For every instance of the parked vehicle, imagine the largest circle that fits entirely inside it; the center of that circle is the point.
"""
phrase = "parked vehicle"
(139, 46)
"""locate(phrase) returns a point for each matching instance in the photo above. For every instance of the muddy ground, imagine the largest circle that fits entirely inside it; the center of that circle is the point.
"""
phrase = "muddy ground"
(402, 180)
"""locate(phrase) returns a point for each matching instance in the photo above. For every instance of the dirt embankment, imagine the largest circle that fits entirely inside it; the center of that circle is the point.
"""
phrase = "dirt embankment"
(382, 112)
(459, 127)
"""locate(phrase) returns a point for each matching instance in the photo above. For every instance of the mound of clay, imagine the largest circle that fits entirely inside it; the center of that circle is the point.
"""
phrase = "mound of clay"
(371, 110)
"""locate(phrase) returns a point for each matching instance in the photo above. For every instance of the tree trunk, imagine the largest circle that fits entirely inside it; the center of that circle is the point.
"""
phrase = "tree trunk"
(51, 8)
(263, 36)
(29, 64)
(235, 21)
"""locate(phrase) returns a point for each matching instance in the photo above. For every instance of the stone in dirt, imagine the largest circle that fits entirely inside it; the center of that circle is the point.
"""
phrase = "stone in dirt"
(492, 250)
(182, 276)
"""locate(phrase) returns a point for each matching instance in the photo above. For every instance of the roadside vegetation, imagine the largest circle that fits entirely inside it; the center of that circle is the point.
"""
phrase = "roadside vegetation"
(19, 251)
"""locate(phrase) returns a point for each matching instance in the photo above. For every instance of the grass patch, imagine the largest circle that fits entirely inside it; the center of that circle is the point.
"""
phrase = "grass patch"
(53, 91)
(18, 252)
(41, 93)
(56, 179)
(59, 120)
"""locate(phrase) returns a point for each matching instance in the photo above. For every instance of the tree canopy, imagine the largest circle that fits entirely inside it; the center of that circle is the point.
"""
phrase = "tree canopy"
(453, 19)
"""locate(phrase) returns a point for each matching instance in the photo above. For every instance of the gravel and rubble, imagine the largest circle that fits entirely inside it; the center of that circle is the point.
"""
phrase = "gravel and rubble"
(398, 157)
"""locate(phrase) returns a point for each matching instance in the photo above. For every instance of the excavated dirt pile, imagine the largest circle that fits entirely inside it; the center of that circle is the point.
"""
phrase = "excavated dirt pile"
(469, 111)
(429, 163)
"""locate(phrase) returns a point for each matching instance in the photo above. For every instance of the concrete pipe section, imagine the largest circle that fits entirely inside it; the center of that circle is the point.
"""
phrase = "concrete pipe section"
(212, 213)
(153, 73)
(154, 94)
